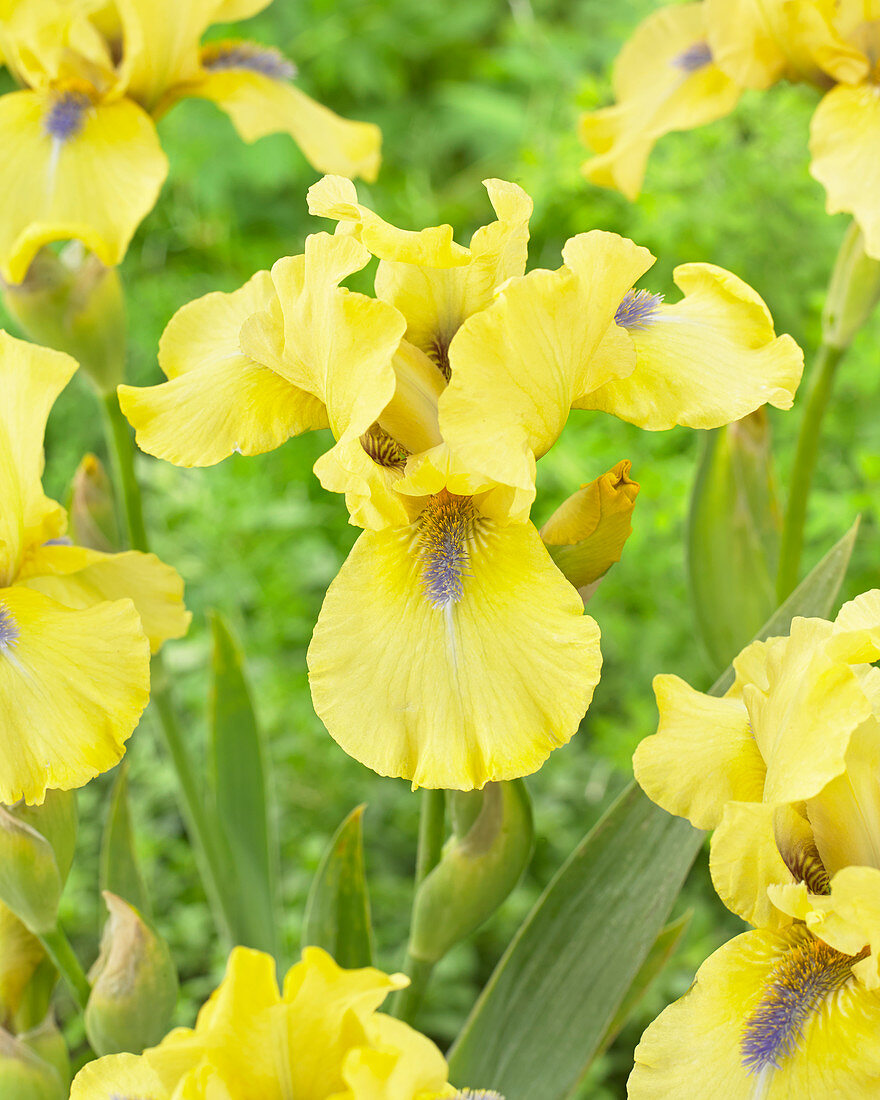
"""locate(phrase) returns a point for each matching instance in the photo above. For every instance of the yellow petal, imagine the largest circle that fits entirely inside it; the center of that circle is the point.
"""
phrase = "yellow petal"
(399, 1064)
(161, 45)
(450, 692)
(745, 861)
(436, 300)
(117, 1075)
(663, 80)
(73, 685)
(696, 1047)
(335, 197)
(587, 532)
(520, 365)
(844, 136)
(79, 578)
(31, 378)
(705, 361)
(259, 104)
(702, 756)
(339, 346)
(219, 399)
(20, 954)
(230, 11)
(95, 185)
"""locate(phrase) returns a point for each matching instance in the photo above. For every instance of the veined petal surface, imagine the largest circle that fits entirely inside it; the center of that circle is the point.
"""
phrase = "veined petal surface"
(695, 1047)
(520, 365)
(454, 696)
(95, 185)
(259, 104)
(115, 1076)
(706, 360)
(74, 684)
(31, 378)
(844, 136)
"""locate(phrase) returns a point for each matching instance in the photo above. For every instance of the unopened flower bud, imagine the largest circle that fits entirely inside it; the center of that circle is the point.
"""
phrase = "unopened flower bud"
(92, 518)
(853, 292)
(134, 984)
(20, 955)
(71, 302)
(36, 851)
(47, 1042)
(489, 849)
(26, 1076)
(586, 533)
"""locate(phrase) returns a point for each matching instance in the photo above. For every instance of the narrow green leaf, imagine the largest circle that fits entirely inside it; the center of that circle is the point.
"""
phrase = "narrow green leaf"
(815, 596)
(567, 973)
(337, 914)
(239, 784)
(119, 871)
(664, 948)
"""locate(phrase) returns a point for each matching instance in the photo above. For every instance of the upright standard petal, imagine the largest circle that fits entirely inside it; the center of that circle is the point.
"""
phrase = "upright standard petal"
(437, 300)
(452, 653)
(73, 686)
(705, 361)
(520, 365)
(31, 378)
(664, 79)
(769, 1015)
(79, 578)
(844, 137)
(219, 399)
(335, 197)
(262, 101)
(75, 169)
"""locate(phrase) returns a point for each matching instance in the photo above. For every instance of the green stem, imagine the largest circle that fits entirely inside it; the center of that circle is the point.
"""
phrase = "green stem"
(204, 835)
(62, 955)
(122, 454)
(820, 385)
(432, 832)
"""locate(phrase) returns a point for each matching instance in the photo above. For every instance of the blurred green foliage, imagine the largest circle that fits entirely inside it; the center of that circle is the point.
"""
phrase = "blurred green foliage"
(462, 91)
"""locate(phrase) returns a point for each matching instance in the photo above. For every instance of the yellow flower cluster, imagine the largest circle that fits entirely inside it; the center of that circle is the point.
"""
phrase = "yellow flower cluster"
(687, 65)
(76, 625)
(319, 1038)
(786, 769)
(83, 155)
(450, 649)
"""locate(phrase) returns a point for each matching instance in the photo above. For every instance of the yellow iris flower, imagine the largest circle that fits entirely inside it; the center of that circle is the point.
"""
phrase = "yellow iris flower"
(319, 1038)
(76, 625)
(785, 769)
(84, 159)
(450, 650)
(687, 64)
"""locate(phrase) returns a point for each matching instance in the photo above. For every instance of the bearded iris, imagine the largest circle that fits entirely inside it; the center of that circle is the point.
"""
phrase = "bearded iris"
(319, 1038)
(76, 625)
(450, 650)
(788, 766)
(85, 160)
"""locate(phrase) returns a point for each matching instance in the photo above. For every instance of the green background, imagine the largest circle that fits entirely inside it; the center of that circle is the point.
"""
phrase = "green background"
(462, 92)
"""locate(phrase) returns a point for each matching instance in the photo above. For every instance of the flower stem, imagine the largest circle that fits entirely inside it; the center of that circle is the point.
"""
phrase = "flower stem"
(204, 835)
(820, 385)
(62, 955)
(432, 832)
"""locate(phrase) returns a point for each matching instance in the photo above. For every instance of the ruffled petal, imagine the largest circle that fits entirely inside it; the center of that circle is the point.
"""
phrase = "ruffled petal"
(336, 197)
(399, 1064)
(219, 400)
(698, 1046)
(79, 578)
(444, 692)
(702, 756)
(664, 79)
(259, 104)
(95, 185)
(705, 361)
(518, 366)
(745, 861)
(435, 300)
(117, 1075)
(31, 378)
(844, 137)
(73, 686)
